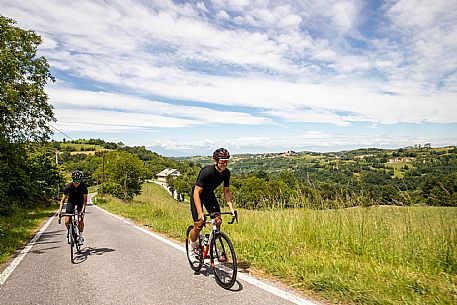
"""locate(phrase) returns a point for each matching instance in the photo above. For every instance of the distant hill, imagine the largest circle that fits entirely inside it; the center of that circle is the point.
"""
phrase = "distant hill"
(410, 175)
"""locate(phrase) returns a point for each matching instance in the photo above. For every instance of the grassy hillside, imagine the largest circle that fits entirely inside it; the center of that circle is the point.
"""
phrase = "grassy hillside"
(405, 176)
(76, 148)
(377, 255)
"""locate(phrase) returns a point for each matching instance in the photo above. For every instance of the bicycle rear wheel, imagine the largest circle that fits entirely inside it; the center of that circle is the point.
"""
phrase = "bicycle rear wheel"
(196, 263)
(223, 260)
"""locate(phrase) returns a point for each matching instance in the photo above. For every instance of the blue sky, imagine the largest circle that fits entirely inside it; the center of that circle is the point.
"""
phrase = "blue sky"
(183, 78)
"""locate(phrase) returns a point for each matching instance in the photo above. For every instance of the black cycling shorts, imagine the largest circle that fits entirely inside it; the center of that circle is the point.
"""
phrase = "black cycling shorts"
(70, 208)
(209, 202)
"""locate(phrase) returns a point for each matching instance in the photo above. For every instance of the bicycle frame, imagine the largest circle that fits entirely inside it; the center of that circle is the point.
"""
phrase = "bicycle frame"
(212, 222)
(72, 231)
(217, 247)
(204, 244)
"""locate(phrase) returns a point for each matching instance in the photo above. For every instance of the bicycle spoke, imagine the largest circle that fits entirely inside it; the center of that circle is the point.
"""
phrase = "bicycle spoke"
(195, 261)
(223, 261)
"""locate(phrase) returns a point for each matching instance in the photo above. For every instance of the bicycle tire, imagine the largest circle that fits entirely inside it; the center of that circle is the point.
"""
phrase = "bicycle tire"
(72, 243)
(195, 264)
(224, 271)
(76, 238)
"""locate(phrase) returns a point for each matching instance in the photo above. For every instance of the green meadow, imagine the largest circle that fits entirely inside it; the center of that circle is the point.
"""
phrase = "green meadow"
(374, 255)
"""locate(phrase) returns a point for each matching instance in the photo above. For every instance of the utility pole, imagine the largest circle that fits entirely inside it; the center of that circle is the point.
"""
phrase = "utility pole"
(57, 163)
(103, 172)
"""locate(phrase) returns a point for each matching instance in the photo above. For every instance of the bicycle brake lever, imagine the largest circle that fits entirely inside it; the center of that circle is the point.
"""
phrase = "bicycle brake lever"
(234, 217)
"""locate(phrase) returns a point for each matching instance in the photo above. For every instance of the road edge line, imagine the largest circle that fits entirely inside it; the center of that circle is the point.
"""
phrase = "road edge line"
(7, 272)
(247, 278)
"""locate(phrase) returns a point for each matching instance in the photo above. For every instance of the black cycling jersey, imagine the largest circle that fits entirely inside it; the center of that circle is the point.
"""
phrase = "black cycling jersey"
(209, 179)
(75, 194)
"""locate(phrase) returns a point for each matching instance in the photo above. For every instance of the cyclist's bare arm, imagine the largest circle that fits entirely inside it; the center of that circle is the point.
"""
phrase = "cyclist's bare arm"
(197, 201)
(84, 204)
(228, 198)
(62, 203)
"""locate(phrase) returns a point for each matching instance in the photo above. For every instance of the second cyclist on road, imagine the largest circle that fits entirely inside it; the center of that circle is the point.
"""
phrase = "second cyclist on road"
(76, 193)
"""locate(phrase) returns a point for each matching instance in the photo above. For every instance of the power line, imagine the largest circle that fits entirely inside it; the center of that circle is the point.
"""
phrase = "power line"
(61, 131)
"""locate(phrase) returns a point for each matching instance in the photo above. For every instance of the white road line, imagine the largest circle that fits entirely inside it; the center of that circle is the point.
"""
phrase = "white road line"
(7, 272)
(156, 236)
(247, 278)
(111, 214)
(275, 290)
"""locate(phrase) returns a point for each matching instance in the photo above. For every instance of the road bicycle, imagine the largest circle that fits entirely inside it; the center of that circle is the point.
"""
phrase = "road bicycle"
(217, 247)
(73, 233)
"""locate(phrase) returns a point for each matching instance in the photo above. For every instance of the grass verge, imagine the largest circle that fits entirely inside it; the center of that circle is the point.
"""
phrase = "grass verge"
(376, 255)
(16, 229)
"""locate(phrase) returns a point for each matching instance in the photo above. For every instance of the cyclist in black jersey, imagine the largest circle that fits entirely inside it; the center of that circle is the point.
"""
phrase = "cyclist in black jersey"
(76, 192)
(202, 194)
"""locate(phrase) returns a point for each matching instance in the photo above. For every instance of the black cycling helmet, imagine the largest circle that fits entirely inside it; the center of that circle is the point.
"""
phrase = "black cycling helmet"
(77, 176)
(221, 154)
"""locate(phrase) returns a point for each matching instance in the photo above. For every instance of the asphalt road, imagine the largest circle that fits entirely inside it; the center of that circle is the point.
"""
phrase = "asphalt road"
(120, 264)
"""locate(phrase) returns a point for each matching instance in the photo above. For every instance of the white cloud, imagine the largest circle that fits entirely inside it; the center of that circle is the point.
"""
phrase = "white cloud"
(310, 140)
(310, 116)
(222, 15)
(292, 61)
(110, 121)
(344, 15)
(102, 111)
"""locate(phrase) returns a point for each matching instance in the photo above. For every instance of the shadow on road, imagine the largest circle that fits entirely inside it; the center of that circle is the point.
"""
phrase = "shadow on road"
(46, 236)
(82, 256)
(41, 251)
(206, 270)
(240, 286)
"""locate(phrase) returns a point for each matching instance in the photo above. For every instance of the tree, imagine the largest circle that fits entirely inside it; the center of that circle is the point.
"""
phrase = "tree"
(27, 173)
(252, 193)
(126, 170)
(24, 111)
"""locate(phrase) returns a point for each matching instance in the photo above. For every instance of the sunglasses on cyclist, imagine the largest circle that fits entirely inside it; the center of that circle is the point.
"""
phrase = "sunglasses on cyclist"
(223, 161)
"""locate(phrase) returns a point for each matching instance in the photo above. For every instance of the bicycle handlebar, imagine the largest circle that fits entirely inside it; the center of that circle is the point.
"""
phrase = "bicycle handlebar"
(234, 217)
(66, 214)
(213, 215)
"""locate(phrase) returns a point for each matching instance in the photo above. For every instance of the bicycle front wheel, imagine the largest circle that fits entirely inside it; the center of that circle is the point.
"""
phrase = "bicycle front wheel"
(72, 243)
(76, 238)
(223, 260)
(195, 259)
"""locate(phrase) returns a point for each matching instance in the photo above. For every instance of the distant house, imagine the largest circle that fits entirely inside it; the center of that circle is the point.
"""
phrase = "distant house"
(290, 153)
(162, 176)
(405, 159)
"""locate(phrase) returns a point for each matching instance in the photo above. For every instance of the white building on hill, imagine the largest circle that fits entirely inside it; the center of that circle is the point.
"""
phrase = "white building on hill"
(162, 176)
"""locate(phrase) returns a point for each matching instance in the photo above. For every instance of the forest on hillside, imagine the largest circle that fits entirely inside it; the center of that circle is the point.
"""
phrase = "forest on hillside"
(363, 177)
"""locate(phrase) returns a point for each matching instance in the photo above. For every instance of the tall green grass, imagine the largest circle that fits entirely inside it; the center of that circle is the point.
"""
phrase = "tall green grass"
(15, 229)
(375, 255)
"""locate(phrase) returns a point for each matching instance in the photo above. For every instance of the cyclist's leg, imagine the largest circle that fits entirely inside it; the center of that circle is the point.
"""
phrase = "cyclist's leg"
(69, 208)
(198, 225)
(212, 206)
(80, 219)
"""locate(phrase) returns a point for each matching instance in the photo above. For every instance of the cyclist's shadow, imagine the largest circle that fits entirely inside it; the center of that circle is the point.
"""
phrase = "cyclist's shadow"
(207, 271)
(82, 256)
